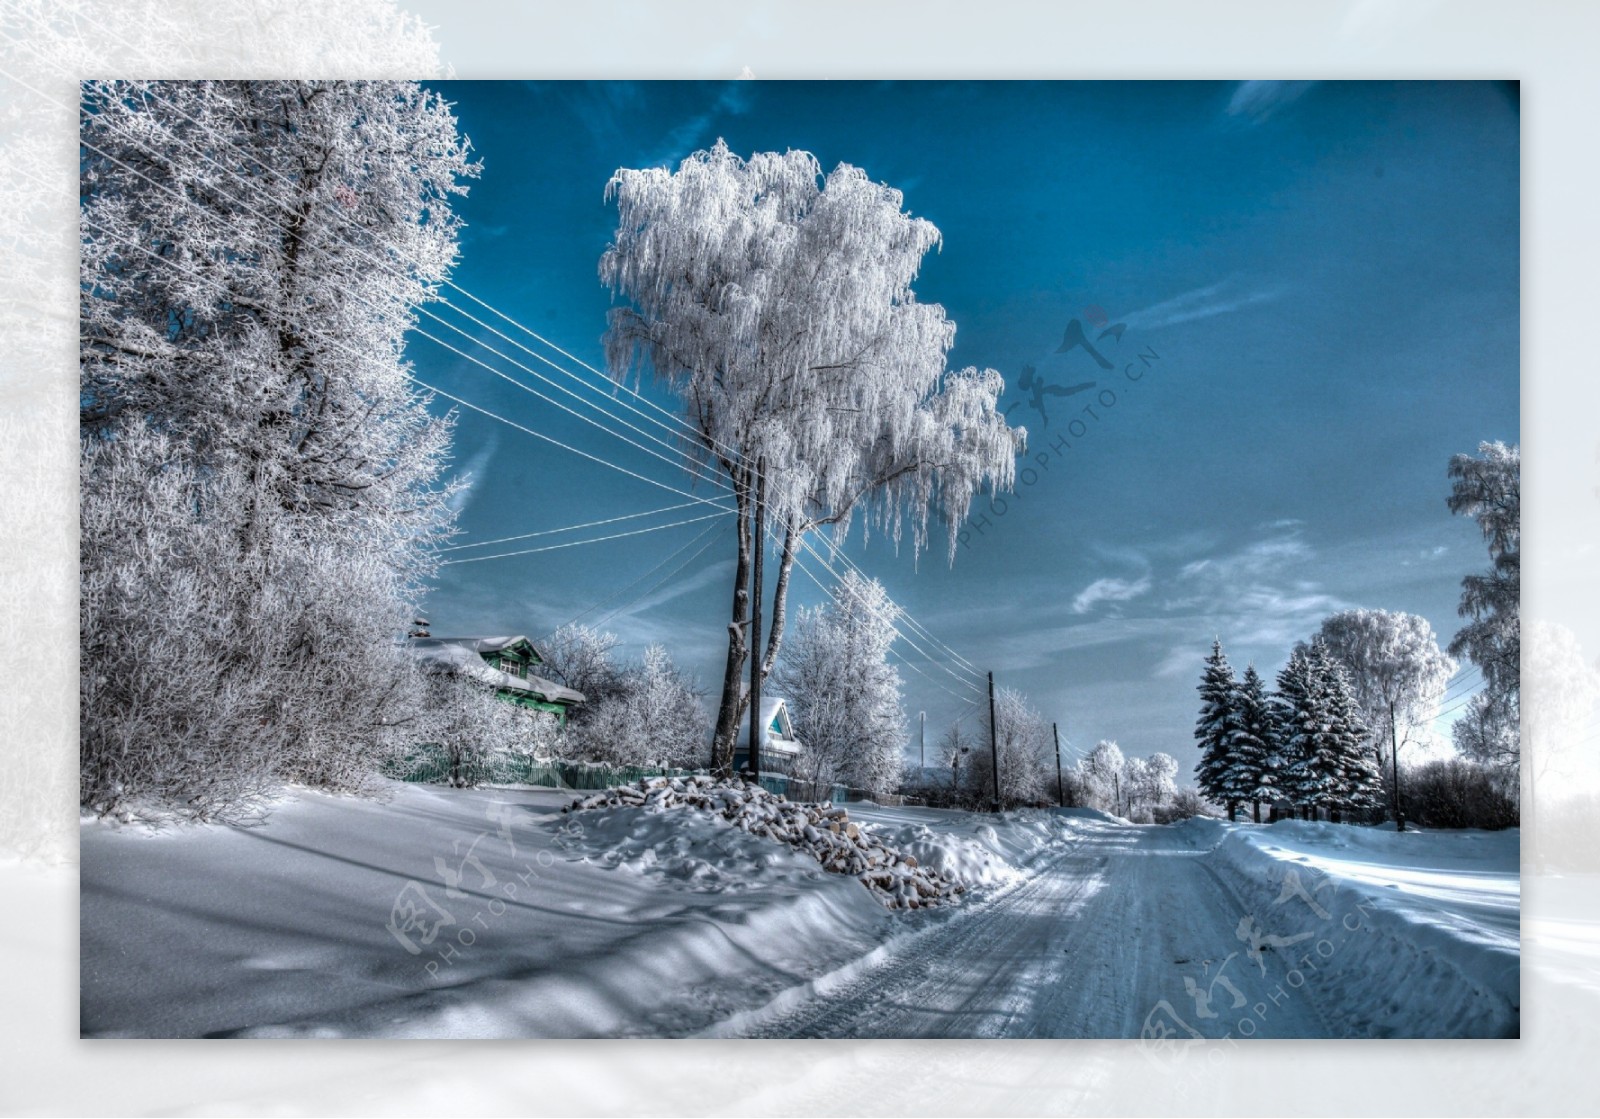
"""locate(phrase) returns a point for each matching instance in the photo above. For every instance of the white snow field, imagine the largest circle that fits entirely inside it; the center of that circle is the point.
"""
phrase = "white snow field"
(488, 913)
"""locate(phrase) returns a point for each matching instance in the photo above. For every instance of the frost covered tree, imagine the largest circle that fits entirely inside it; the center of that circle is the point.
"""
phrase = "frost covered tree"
(776, 302)
(1326, 763)
(1488, 488)
(842, 690)
(1150, 783)
(1104, 771)
(1026, 752)
(482, 738)
(584, 659)
(259, 481)
(1398, 675)
(651, 716)
(1255, 751)
(1215, 730)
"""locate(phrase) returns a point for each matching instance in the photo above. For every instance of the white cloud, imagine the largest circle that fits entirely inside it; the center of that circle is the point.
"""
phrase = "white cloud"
(1109, 590)
(1221, 298)
(1260, 100)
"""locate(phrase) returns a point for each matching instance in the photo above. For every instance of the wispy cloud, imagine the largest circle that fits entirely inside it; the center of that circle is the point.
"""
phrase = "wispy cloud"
(472, 472)
(1259, 100)
(734, 100)
(1221, 298)
(1109, 590)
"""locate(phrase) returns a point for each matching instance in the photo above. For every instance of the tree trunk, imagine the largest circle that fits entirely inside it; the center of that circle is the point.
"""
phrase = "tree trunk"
(1233, 811)
(759, 535)
(728, 709)
(1255, 809)
(1394, 760)
(780, 596)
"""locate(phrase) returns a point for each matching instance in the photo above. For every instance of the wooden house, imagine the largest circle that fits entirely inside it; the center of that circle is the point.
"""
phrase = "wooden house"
(780, 748)
(505, 664)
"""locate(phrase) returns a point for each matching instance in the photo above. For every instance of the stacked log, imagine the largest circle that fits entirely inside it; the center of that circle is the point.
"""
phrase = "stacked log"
(823, 831)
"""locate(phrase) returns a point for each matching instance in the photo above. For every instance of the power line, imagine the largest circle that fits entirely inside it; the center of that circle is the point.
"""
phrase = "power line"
(568, 528)
(658, 584)
(576, 543)
(910, 620)
(613, 596)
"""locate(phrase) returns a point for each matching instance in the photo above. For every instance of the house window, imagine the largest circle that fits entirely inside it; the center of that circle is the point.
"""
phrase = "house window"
(513, 667)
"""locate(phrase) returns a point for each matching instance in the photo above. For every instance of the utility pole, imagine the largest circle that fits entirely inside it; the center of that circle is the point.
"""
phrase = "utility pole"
(1061, 797)
(994, 749)
(922, 743)
(757, 731)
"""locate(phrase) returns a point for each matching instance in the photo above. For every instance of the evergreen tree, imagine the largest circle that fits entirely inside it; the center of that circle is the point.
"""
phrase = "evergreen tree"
(1356, 782)
(1215, 731)
(1302, 778)
(1255, 745)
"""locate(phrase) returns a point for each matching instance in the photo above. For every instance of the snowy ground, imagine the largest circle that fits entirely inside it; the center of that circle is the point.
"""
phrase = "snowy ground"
(487, 913)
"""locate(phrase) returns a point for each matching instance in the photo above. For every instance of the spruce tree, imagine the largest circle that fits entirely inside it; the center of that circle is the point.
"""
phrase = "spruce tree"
(1296, 710)
(1215, 731)
(1255, 746)
(1357, 782)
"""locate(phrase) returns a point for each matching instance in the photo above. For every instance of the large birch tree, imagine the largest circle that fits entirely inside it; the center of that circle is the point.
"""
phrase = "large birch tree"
(776, 302)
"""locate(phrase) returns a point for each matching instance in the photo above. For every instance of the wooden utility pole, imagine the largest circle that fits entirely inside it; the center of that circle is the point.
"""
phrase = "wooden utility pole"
(994, 748)
(757, 730)
(1061, 797)
(922, 743)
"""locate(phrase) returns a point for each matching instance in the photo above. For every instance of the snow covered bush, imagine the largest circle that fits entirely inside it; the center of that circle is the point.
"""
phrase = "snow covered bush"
(259, 480)
(482, 739)
(1455, 793)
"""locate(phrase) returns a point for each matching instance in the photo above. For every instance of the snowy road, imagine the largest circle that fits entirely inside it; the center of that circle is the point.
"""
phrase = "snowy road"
(1091, 946)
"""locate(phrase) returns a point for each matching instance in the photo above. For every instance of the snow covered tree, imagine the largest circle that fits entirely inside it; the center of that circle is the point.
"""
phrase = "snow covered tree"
(651, 716)
(843, 692)
(584, 659)
(1398, 676)
(1488, 488)
(1104, 775)
(1215, 731)
(777, 303)
(1149, 783)
(1326, 764)
(1255, 748)
(482, 737)
(1358, 784)
(1026, 752)
(259, 480)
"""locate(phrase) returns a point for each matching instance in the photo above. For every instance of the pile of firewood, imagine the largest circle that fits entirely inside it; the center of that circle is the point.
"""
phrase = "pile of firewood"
(823, 831)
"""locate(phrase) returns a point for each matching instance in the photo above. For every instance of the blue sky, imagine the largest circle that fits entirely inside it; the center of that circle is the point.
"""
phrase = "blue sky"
(1326, 273)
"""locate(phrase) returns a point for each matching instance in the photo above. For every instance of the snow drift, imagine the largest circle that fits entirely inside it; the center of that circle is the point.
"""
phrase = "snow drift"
(1429, 920)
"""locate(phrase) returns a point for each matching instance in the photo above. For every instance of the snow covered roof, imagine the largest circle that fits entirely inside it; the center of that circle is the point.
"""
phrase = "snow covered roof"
(444, 654)
(482, 644)
(774, 709)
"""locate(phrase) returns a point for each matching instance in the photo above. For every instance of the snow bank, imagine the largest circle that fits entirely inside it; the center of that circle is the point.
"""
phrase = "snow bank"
(1431, 920)
(975, 849)
(825, 832)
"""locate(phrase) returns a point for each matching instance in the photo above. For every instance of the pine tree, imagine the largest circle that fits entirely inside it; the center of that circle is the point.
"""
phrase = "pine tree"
(1255, 745)
(1297, 713)
(1356, 782)
(1215, 731)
